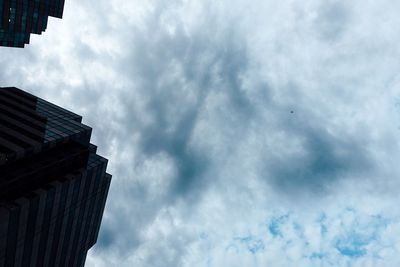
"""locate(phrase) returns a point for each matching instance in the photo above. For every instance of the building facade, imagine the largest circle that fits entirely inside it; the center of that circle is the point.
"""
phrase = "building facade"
(20, 18)
(53, 185)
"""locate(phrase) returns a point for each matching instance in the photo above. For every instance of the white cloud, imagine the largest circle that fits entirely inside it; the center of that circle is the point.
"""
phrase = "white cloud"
(191, 102)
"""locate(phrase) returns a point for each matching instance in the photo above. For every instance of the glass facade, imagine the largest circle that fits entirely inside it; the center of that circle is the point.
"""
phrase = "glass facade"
(53, 185)
(20, 18)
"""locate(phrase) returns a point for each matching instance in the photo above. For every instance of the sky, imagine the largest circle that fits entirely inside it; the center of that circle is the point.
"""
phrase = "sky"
(238, 133)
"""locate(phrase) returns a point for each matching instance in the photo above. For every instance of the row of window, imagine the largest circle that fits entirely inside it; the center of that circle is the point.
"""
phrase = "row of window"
(77, 204)
(19, 18)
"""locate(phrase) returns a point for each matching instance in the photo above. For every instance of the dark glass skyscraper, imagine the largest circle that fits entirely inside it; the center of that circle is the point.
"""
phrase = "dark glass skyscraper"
(20, 18)
(53, 185)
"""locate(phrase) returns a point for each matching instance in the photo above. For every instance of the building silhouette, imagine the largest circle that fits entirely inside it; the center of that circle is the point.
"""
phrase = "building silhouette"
(20, 18)
(53, 185)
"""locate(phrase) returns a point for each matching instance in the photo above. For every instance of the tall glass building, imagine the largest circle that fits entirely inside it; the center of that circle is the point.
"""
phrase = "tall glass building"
(53, 185)
(20, 18)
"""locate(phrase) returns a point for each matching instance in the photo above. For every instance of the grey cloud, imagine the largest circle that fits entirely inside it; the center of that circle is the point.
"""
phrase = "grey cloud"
(187, 118)
(205, 63)
(332, 20)
(324, 160)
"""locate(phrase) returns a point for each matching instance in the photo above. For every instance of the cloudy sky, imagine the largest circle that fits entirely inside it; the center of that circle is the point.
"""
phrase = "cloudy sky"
(238, 133)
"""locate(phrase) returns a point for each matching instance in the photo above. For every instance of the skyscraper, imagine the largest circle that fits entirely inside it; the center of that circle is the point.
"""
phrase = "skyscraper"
(20, 18)
(53, 185)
